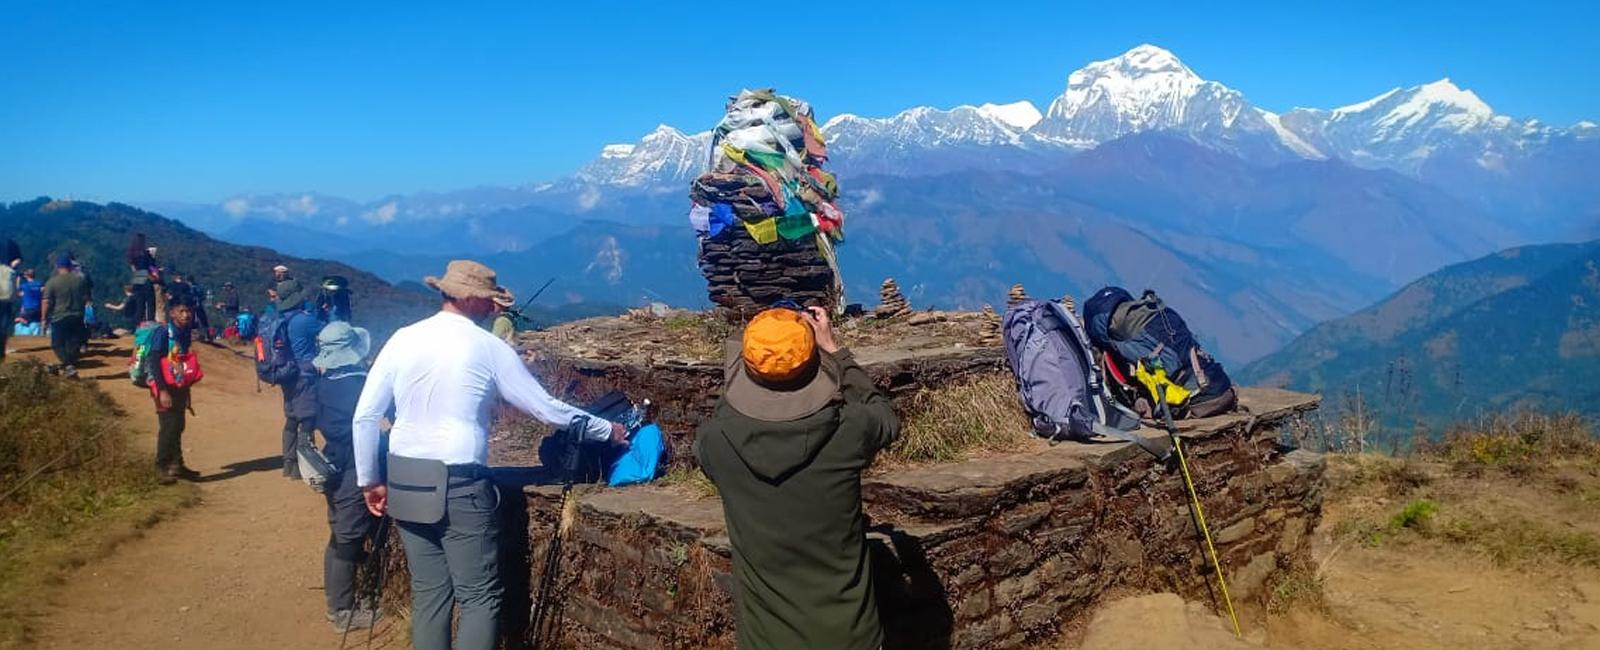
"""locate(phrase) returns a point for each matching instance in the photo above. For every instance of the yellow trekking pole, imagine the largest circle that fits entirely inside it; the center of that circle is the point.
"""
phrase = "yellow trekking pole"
(1194, 497)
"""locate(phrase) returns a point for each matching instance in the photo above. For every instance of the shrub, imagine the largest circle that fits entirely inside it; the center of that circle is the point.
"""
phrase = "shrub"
(1417, 514)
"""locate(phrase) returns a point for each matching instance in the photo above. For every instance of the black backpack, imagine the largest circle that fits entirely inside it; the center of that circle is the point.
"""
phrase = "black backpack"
(1145, 344)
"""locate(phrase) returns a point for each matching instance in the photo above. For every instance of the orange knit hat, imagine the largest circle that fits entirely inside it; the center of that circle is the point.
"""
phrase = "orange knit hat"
(778, 345)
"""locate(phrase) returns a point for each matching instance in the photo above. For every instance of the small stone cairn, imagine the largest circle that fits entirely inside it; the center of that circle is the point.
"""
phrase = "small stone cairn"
(990, 333)
(893, 304)
(1017, 294)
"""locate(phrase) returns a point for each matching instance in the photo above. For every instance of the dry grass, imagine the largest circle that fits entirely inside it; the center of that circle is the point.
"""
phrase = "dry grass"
(1523, 443)
(692, 479)
(95, 492)
(948, 422)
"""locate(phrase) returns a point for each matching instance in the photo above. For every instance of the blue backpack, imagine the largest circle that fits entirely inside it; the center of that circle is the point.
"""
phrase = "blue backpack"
(1058, 382)
(275, 362)
(246, 323)
(642, 460)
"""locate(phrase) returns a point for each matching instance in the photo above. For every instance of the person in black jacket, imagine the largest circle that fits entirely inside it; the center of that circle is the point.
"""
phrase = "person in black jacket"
(172, 402)
(341, 355)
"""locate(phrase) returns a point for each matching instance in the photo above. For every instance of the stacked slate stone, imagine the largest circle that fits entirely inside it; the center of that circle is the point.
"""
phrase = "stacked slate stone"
(892, 303)
(991, 332)
(744, 277)
(765, 210)
(1017, 294)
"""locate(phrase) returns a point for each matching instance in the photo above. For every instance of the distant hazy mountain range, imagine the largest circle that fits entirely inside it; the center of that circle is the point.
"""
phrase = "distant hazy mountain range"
(1141, 172)
(1520, 328)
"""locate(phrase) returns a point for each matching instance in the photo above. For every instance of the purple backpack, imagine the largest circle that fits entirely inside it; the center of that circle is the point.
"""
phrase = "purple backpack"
(1058, 382)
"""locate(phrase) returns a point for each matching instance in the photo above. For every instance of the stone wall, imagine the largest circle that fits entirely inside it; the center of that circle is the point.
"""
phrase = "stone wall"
(999, 552)
(684, 393)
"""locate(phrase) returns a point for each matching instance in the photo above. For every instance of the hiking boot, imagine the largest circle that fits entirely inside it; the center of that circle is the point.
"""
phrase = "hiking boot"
(165, 476)
(185, 473)
(345, 620)
(70, 372)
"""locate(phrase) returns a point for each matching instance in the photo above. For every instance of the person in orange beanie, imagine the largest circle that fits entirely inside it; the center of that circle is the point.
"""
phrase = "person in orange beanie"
(798, 422)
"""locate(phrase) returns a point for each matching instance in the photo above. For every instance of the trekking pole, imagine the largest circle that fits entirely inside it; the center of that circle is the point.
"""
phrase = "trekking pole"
(380, 542)
(1194, 504)
(552, 555)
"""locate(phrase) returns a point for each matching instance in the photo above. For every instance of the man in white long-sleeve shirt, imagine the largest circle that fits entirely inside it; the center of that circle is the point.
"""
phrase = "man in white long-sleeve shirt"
(443, 375)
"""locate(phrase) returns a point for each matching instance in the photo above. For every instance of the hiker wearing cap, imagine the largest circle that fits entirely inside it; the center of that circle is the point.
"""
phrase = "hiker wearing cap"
(62, 304)
(171, 341)
(299, 389)
(30, 293)
(443, 375)
(341, 356)
(798, 422)
(10, 259)
(504, 328)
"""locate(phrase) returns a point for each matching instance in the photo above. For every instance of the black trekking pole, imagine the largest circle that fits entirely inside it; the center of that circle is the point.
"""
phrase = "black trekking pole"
(380, 544)
(552, 555)
(1194, 496)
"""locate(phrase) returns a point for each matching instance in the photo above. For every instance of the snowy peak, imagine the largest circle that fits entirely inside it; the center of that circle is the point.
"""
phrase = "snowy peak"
(1140, 61)
(665, 155)
(1022, 115)
(1148, 88)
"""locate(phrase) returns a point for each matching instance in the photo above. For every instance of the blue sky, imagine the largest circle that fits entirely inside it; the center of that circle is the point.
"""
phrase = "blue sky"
(197, 101)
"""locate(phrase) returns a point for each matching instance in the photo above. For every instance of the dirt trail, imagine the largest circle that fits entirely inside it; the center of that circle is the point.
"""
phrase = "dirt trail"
(242, 569)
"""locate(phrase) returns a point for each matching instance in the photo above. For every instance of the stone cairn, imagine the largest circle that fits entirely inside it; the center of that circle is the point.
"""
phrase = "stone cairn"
(1017, 294)
(744, 277)
(990, 333)
(892, 303)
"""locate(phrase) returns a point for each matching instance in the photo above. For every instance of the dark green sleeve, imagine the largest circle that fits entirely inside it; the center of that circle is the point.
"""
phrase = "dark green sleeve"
(860, 393)
(706, 428)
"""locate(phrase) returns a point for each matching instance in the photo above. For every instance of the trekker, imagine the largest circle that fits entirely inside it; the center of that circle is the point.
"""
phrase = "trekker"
(341, 353)
(172, 402)
(158, 280)
(31, 292)
(143, 305)
(228, 302)
(300, 393)
(504, 328)
(798, 422)
(63, 303)
(443, 375)
(8, 292)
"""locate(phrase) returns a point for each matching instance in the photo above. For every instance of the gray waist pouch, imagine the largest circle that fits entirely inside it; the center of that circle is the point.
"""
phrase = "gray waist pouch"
(417, 489)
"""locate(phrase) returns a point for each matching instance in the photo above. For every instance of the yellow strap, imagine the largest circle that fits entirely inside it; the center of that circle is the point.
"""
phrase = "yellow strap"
(1200, 516)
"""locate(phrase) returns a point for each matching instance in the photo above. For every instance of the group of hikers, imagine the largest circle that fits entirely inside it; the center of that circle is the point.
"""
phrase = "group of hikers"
(798, 422)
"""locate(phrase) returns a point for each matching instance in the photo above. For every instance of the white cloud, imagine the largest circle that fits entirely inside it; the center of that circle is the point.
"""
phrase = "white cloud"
(870, 198)
(589, 198)
(306, 205)
(384, 215)
(236, 206)
(342, 221)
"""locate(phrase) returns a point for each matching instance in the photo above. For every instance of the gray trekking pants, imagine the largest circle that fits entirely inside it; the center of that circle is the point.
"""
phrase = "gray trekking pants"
(456, 560)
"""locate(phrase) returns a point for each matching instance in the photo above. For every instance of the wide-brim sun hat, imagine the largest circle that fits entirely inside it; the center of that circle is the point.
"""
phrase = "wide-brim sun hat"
(507, 301)
(468, 279)
(776, 373)
(339, 344)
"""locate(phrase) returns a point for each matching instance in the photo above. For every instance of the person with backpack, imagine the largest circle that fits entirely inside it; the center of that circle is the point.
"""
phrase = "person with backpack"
(504, 328)
(443, 375)
(10, 259)
(62, 304)
(797, 424)
(170, 388)
(228, 302)
(341, 355)
(288, 345)
(142, 306)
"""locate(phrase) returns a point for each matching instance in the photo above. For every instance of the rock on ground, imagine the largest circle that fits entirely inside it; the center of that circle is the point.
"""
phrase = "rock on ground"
(1160, 622)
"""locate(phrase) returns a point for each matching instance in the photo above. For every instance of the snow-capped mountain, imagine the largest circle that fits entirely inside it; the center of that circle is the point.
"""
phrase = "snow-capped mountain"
(1149, 89)
(1145, 89)
(1402, 128)
(664, 156)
